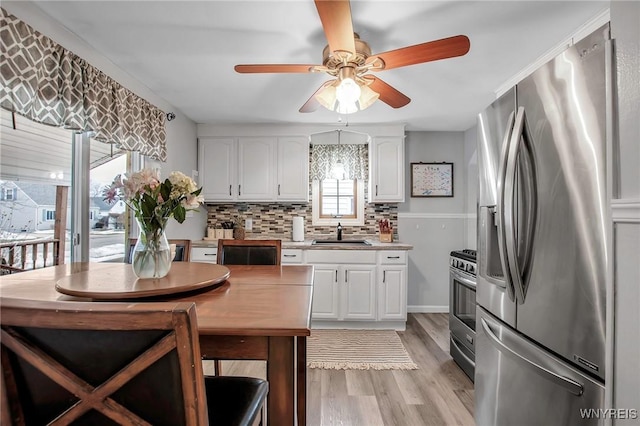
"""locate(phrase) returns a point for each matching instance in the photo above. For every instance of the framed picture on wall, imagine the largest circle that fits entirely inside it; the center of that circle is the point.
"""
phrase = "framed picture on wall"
(432, 179)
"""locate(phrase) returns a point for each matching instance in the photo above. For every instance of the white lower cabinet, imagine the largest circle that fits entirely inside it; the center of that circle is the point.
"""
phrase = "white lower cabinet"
(358, 292)
(344, 292)
(325, 292)
(392, 293)
(353, 288)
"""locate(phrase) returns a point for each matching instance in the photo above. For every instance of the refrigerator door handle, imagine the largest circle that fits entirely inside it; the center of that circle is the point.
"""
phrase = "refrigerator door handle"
(504, 159)
(570, 385)
(516, 271)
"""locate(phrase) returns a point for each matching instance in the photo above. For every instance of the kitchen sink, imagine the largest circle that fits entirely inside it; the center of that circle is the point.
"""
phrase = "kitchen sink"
(341, 242)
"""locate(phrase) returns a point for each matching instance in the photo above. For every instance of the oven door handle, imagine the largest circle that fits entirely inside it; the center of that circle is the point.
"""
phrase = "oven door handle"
(463, 279)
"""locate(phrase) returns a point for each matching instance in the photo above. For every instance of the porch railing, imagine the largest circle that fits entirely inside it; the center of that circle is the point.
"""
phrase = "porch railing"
(25, 255)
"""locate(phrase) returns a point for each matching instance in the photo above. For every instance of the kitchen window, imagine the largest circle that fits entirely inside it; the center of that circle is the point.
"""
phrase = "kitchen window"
(336, 201)
(337, 198)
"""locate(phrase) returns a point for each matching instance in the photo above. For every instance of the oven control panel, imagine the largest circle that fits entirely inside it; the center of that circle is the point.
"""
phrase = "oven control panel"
(464, 260)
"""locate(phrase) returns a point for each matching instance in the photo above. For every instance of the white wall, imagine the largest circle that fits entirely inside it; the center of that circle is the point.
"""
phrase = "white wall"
(625, 17)
(181, 132)
(434, 226)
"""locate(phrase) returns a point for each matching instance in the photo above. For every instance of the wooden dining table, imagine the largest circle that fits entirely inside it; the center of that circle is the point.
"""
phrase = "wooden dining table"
(257, 313)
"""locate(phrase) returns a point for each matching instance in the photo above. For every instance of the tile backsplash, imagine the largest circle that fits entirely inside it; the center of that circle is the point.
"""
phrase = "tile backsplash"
(276, 219)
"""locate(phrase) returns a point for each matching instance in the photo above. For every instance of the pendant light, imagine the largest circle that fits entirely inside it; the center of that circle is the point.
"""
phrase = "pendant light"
(338, 168)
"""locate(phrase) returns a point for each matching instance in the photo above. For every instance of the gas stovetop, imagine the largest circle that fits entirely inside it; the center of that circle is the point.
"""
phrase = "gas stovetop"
(464, 260)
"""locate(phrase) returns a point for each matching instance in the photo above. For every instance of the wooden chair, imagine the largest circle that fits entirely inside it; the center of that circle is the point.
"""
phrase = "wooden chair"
(249, 252)
(114, 363)
(183, 250)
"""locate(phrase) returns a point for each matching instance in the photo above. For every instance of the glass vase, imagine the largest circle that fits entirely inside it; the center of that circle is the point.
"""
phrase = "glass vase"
(151, 257)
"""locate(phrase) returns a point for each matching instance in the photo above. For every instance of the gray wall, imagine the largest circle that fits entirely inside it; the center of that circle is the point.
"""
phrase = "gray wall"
(625, 28)
(434, 226)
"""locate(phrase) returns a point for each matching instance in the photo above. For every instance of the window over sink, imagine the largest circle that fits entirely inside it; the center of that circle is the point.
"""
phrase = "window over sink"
(335, 200)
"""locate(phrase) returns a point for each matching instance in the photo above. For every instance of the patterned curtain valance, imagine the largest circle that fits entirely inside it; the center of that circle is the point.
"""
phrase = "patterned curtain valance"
(354, 159)
(49, 84)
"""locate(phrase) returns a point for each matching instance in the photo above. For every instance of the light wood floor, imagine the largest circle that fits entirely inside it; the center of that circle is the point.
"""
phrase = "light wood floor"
(438, 393)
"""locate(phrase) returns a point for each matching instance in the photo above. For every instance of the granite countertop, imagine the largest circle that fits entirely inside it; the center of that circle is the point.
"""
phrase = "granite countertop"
(306, 244)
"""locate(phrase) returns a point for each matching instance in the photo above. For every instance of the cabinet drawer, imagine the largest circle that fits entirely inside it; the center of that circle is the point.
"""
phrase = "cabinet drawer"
(341, 256)
(204, 254)
(392, 257)
(291, 256)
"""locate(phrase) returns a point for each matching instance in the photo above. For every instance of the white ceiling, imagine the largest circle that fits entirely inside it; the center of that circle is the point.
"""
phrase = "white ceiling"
(184, 51)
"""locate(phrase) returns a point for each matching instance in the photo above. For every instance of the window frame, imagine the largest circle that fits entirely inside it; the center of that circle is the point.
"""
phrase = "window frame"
(355, 200)
(317, 220)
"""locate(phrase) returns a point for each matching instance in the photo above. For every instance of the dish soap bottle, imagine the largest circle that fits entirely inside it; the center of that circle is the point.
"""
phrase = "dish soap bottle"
(339, 232)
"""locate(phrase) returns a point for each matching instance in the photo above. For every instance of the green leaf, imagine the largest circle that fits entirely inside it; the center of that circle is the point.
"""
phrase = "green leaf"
(180, 214)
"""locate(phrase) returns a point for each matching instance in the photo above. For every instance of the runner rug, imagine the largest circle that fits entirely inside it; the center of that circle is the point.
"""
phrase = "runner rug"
(357, 350)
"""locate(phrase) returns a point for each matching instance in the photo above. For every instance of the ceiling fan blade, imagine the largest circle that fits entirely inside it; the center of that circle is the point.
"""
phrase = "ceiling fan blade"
(273, 68)
(312, 104)
(425, 52)
(336, 21)
(388, 94)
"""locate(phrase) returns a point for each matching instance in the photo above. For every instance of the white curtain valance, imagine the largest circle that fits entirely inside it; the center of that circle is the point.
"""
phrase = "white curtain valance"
(48, 84)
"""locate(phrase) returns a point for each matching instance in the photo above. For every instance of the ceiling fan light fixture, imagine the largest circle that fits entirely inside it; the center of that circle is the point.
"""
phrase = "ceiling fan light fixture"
(346, 107)
(367, 97)
(327, 97)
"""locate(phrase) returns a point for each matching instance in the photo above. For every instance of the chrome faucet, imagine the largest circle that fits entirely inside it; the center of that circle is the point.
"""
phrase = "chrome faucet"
(339, 231)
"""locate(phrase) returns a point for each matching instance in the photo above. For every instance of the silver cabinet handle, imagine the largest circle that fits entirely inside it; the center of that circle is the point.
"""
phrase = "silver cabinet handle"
(565, 382)
(288, 255)
(336, 275)
(376, 189)
(210, 254)
(229, 190)
(384, 276)
(393, 257)
(346, 279)
(278, 189)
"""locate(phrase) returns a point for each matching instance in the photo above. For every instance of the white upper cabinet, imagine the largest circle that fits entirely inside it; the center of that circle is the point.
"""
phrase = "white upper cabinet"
(256, 174)
(386, 169)
(259, 169)
(293, 169)
(217, 168)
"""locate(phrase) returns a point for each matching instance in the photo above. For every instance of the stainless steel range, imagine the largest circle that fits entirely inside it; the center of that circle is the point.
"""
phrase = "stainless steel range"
(462, 309)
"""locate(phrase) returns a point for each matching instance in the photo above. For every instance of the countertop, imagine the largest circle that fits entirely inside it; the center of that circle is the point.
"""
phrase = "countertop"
(306, 245)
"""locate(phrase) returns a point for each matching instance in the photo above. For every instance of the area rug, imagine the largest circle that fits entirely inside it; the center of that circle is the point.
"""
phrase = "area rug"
(357, 350)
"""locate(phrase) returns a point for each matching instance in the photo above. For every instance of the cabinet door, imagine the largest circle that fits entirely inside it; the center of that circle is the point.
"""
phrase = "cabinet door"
(386, 183)
(392, 293)
(358, 292)
(325, 292)
(256, 157)
(217, 168)
(293, 169)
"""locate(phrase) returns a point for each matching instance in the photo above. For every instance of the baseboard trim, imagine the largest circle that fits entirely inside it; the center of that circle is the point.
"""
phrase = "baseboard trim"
(428, 309)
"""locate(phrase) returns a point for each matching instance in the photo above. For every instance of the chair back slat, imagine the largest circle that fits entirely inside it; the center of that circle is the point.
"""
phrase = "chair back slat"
(101, 364)
(249, 252)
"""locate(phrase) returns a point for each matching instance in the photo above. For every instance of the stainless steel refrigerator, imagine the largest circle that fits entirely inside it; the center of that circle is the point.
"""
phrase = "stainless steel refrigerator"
(542, 232)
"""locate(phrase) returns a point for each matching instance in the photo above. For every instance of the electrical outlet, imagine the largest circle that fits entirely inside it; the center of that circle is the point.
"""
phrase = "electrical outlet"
(248, 224)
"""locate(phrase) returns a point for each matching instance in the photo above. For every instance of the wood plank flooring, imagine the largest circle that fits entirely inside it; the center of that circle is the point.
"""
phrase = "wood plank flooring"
(438, 393)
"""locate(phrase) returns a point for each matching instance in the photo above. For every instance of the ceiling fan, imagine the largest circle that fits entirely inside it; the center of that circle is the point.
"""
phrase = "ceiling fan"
(348, 60)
